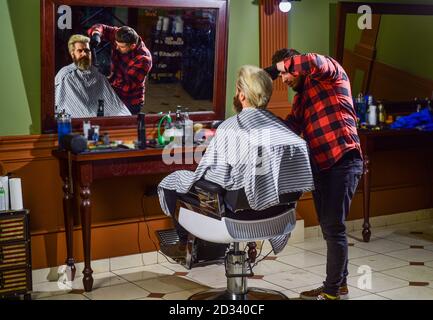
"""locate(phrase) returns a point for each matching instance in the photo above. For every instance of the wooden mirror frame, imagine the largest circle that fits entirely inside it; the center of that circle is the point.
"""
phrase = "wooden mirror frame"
(344, 8)
(48, 24)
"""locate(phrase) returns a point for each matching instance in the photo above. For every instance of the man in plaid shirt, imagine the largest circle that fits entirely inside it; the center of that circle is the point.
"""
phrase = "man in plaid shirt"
(323, 113)
(131, 61)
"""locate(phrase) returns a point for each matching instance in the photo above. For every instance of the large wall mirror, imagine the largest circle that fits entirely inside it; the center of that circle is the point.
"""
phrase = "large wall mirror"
(392, 59)
(187, 41)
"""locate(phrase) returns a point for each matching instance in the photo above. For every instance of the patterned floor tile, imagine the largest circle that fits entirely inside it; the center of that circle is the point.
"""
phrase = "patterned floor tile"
(127, 291)
(303, 259)
(379, 262)
(409, 293)
(412, 273)
(294, 279)
(168, 284)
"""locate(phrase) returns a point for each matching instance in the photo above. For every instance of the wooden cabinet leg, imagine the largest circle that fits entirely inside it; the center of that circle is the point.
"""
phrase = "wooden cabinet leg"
(85, 209)
(69, 227)
(366, 233)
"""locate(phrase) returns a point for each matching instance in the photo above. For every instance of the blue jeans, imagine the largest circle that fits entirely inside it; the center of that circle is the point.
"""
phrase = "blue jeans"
(334, 190)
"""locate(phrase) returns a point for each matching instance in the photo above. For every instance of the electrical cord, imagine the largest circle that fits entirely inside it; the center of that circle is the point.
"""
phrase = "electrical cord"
(148, 233)
(257, 262)
(260, 253)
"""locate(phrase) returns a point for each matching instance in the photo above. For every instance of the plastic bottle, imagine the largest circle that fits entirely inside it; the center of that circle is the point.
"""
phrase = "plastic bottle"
(86, 127)
(178, 26)
(64, 126)
(100, 108)
(141, 130)
(165, 24)
(159, 23)
(95, 133)
(382, 114)
(428, 104)
(189, 130)
(417, 104)
(2, 199)
(179, 127)
(361, 108)
(372, 115)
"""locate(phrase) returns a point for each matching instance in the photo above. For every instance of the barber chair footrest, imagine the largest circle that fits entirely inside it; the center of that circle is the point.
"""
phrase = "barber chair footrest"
(199, 252)
(167, 237)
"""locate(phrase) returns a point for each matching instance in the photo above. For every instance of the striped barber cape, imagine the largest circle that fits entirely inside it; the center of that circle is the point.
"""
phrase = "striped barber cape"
(77, 92)
(253, 150)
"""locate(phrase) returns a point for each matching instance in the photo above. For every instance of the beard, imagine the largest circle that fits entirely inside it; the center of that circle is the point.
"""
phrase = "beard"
(299, 84)
(237, 105)
(83, 63)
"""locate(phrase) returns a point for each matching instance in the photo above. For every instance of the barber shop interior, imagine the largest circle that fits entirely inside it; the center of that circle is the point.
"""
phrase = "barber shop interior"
(216, 150)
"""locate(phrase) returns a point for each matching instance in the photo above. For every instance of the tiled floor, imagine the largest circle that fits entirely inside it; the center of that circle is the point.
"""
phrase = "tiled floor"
(396, 264)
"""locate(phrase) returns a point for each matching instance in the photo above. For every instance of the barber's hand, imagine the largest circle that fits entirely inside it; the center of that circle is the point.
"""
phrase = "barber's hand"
(95, 40)
(281, 67)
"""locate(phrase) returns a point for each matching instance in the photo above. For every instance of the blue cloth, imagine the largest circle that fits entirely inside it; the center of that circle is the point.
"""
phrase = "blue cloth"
(422, 120)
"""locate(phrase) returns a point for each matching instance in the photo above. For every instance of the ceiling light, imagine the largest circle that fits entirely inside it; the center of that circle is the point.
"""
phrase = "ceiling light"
(285, 6)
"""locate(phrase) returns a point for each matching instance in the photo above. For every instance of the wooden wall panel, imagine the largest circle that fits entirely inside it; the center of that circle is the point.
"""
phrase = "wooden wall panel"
(113, 240)
(274, 36)
(353, 62)
(401, 181)
(387, 81)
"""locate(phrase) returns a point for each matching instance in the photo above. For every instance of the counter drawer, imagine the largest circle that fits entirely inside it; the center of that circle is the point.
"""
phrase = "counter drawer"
(14, 255)
(16, 281)
(13, 229)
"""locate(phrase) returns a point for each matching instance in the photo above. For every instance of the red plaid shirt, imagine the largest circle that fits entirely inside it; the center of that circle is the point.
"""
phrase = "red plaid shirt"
(323, 109)
(128, 71)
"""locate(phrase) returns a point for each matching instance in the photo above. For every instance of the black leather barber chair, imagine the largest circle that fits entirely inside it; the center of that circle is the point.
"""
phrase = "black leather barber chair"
(224, 219)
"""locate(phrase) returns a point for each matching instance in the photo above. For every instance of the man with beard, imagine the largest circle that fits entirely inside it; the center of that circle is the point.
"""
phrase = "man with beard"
(323, 112)
(79, 87)
(252, 150)
(131, 61)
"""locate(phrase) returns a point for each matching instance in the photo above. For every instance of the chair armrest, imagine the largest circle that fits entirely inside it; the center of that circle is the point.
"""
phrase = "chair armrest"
(210, 186)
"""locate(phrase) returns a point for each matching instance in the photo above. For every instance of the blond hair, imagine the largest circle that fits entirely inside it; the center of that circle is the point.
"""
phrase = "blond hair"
(256, 84)
(76, 38)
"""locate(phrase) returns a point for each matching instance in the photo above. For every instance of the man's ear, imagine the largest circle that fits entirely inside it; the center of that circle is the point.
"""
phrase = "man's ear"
(133, 46)
(242, 97)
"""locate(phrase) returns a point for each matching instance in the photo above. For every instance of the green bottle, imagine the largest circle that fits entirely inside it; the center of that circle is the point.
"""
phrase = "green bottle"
(2, 199)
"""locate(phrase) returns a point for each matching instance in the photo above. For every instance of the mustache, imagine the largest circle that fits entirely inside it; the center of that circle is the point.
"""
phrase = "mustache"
(84, 59)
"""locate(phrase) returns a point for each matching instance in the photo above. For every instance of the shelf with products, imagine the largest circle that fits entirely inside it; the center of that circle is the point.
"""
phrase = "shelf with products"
(199, 59)
(167, 51)
(185, 54)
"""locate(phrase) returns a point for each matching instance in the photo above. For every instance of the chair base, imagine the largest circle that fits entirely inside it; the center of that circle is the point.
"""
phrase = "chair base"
(252, 294)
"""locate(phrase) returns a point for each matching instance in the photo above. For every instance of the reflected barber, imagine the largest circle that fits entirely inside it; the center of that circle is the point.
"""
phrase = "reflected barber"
(131, 61)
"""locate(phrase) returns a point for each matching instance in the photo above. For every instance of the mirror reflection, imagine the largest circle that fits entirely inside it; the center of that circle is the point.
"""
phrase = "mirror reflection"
(392, 61)
(117, 61)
